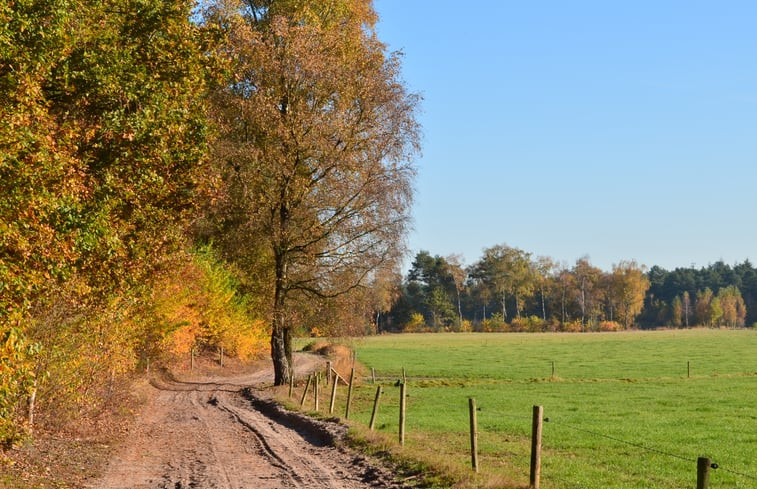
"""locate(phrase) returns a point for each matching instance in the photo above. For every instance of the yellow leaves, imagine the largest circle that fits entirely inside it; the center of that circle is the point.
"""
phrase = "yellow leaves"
(16, 380)
(198, 305)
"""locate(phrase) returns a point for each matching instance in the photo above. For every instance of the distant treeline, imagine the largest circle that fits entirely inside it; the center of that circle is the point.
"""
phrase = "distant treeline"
(510, 290)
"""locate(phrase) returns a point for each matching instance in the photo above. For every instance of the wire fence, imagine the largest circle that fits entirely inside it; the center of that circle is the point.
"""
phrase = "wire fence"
(620, 440)
(640, 446)
(557, 422)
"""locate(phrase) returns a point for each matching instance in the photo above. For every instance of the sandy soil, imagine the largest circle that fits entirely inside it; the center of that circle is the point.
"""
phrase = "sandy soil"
(218, 433)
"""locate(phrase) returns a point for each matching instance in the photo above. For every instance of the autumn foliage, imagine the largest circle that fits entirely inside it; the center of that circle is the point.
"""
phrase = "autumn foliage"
(103, 152)
(201, 307)
(175, 178)
(316, 135)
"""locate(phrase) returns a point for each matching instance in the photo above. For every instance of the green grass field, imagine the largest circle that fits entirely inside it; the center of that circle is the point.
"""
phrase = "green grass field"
(623, 411)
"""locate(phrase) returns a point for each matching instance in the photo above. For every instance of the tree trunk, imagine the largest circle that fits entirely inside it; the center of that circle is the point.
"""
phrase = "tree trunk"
(459, 307)
(583, 304)
(281, 339)
(543, 305)
(281, 352)
(517, 306)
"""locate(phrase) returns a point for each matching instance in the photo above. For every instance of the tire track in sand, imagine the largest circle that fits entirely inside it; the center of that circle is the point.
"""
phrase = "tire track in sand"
(207, 434)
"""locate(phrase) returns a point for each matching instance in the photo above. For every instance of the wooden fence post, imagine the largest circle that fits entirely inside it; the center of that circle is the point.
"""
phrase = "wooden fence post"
(473, 434)
(220, 357)
(291, 385)
(373, 375)
(349, 394)
(328, 372)
(315, 388)
(404, 376)
(703, 472)
(192, 360)
(333, 394)
(375, 408)
(538, 415)
(403, 396)
(305, 392)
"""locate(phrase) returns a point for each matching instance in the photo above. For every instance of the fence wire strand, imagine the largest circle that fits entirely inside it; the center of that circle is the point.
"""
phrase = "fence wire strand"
(647, 448)
(620, 440)
(741, 474)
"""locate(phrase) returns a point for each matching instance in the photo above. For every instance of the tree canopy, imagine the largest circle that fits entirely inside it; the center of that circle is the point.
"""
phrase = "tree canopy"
(316, 136)
(102, 150)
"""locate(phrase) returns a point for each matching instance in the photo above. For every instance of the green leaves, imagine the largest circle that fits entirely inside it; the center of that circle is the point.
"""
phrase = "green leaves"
(102, 151)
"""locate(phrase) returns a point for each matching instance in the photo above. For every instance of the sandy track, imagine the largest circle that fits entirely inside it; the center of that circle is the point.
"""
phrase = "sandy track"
(217, 434)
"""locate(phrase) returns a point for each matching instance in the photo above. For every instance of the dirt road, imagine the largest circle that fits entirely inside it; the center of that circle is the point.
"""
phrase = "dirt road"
(216, 434)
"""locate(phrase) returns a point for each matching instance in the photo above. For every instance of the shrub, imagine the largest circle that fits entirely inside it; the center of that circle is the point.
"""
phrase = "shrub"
(494, 324)
(16, 383)
(610, 326)
(531, 324)
(574, 326)
(417, 324)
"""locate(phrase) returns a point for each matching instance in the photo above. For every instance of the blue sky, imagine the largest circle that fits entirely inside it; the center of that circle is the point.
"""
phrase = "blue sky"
(617, 130)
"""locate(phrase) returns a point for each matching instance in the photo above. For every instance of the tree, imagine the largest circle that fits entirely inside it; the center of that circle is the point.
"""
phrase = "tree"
(629, 286)
(732, 305)
(676, 312)
(102, 152)
(385, 288)
(686, 307)
(440, 307)
(506, 270)
(543, 268)
(703, 307)
(317, 132)
(523, 279)
(587, 281)
(480, 289)
(438, 284)
(457, 272)
(565, 282)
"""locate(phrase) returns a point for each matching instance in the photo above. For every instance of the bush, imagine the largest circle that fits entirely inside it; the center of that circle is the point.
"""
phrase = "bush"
(494, 324)
(417, 324)
(16, 383)
(531, 324)
(610, 326)
(572, 326)
(466, 326)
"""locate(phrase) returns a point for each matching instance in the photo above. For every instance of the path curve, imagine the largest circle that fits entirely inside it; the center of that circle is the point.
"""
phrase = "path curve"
(216, 433)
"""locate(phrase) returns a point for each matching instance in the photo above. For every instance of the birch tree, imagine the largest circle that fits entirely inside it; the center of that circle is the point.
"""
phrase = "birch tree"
(317, 134)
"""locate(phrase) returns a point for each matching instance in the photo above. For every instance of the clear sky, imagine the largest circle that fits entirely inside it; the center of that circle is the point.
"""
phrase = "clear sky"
(617, 130)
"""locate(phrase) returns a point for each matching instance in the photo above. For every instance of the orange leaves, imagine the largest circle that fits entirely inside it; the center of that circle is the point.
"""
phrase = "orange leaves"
(198, 305)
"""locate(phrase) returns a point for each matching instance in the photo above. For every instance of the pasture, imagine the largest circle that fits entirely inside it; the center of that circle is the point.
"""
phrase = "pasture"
(626, 410)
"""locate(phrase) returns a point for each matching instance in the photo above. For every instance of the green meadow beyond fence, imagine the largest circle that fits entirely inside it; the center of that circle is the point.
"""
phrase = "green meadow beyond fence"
(632, 410)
